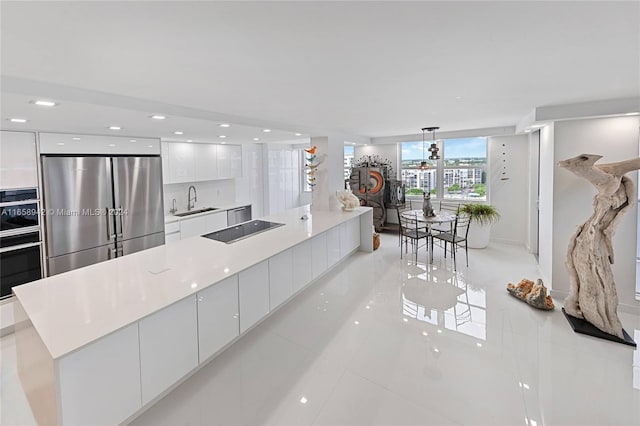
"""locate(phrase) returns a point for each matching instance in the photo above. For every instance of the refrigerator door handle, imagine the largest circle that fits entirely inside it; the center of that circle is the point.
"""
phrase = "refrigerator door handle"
(110, 234)
(120, 212)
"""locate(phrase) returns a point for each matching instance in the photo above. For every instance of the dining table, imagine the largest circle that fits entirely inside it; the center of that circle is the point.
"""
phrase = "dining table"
(439, 217)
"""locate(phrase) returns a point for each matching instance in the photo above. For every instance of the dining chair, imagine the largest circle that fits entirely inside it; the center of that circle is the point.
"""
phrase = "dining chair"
(457, 238)
(447, 207)
(411, 229)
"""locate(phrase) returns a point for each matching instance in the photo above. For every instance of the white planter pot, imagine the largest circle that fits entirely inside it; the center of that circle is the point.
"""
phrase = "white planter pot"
(479, 235)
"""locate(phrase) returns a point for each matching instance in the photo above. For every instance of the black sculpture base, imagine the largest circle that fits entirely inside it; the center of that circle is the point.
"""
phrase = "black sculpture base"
(581, 326)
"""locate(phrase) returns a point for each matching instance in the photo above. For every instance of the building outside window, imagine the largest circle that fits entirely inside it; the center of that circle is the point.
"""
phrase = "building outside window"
(459, 174)
(349, 154)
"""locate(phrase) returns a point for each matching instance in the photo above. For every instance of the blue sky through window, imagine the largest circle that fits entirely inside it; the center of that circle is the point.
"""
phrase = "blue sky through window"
(455, 148)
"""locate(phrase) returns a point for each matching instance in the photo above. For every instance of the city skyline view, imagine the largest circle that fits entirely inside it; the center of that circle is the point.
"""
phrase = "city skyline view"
(454, 148)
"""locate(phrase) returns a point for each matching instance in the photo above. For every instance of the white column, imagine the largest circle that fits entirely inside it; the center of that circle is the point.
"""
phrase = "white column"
(329, 174)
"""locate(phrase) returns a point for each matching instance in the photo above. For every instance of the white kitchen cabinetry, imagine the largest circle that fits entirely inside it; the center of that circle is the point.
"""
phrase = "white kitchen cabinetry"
(216, 221)
(349, 236)
(206, 161)
(171, 232)
(18, 160)
(99, 384)
(193, 226)
(192, 162)
(280, 278)
(168, 346)
(253, 289)
(204, 224)
(229, 161)
(318, 255)
(301, 270)
(218, 316)
(181, 162)
(354, 234)
(333, 246)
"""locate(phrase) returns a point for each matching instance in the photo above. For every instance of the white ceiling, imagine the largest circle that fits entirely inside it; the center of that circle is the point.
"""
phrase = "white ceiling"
(361, 68)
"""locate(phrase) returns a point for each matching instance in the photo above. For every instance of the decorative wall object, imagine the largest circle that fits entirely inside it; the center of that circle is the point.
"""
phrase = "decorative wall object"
(311, 165)
(591, 306)
(534, 294)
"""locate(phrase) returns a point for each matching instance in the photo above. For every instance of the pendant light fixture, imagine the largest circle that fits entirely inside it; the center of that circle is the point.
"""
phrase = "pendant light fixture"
(423, 163)
(433, 149)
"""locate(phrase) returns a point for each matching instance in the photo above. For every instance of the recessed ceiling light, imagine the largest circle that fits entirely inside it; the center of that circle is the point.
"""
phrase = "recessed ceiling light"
(633, 113)
(158, 117)
(112, 144)
(527, 130)
(223, 143)
(256, 139)
(150, 146)
(132, 140)
(303, 400)
(18, 120)
(458, 97)
(44, 103)
(353, 143)
(222, 136)
(178, 132)
(298, 134)
(75, 139)
(115, 128)
(225, 125)
(189, 140)
(60, 143)
(266, 130)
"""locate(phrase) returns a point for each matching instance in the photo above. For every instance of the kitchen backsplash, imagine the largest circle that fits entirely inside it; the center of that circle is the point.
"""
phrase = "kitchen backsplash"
(210, 194)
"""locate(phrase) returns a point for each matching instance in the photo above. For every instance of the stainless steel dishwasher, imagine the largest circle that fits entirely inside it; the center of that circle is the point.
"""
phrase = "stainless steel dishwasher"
(239, 215)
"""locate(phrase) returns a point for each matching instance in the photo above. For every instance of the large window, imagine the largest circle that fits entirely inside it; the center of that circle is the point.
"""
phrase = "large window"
(459, 174)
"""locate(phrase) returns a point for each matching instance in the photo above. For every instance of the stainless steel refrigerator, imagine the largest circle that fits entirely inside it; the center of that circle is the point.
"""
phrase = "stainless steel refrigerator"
(99, 208)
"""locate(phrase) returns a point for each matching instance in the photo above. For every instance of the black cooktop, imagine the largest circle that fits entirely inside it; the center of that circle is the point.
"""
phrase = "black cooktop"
(241, 231)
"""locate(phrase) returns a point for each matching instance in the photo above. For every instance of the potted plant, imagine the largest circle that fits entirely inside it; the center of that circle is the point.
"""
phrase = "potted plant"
(482, 217)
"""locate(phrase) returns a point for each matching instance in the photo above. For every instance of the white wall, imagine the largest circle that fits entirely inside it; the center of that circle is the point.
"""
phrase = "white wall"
(250, 187)
(545, 212)
(508, 186)
(532, 218)
(210, 193)
(283, 178)
(386, 151)
(616, 139)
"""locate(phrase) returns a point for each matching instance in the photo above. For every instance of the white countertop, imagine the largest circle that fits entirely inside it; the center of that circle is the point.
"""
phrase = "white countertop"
(73, 309)
(219, 208)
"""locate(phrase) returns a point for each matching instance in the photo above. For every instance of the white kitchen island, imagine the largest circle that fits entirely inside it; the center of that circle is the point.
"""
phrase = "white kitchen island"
(101, 343)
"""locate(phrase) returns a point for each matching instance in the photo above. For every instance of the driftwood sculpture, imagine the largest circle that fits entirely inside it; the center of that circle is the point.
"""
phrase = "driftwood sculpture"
(592, 292)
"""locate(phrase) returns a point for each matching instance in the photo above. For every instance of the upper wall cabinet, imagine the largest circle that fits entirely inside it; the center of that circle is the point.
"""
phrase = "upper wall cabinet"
(18, 160)
(229, 161)
(192, 162)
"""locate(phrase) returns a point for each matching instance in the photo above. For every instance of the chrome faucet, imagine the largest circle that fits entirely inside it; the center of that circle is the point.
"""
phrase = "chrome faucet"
(195, 198)
(173, 209)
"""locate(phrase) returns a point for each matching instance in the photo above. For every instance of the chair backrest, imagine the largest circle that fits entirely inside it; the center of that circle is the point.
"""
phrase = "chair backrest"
(408, 224)
(450, 207)
(400, 208)
(462, 225)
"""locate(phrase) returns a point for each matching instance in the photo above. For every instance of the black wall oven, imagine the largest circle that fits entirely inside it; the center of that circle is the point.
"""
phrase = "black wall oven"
(20, 239)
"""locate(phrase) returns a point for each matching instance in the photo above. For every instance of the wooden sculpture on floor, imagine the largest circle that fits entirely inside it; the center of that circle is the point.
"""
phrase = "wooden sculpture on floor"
(592, 292)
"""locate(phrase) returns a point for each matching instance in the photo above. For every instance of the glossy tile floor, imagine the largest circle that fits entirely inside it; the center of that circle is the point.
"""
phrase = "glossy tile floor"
(384, 341)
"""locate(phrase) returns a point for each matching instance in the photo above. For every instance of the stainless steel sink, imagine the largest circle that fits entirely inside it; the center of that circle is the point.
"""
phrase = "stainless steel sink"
(189, 213)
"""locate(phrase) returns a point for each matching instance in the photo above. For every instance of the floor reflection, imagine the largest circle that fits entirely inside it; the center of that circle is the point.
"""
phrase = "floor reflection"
(442, 297)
